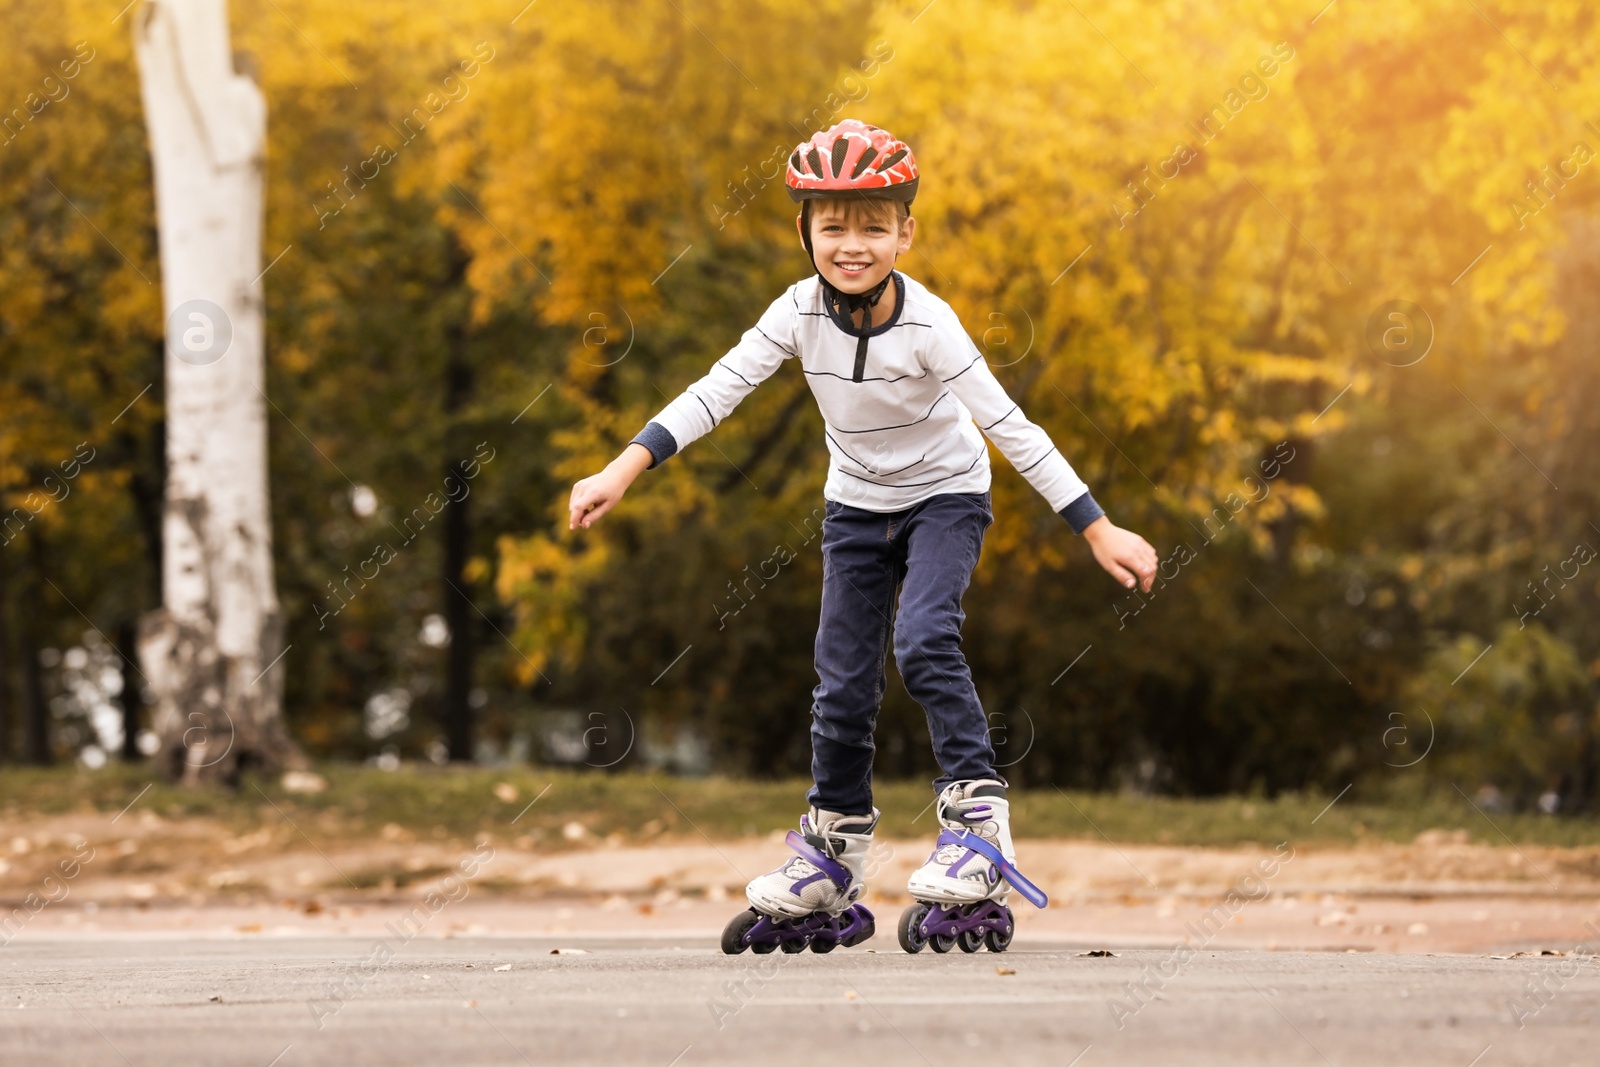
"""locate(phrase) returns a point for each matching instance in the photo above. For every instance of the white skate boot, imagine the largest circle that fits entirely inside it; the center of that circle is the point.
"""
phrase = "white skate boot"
(961, 891)
(810, 899)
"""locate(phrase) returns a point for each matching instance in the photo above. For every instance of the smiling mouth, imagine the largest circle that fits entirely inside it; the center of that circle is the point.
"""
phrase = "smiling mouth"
(852, 266)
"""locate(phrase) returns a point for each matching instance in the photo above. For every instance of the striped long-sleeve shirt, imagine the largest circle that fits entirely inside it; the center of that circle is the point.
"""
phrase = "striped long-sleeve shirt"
(908, 425)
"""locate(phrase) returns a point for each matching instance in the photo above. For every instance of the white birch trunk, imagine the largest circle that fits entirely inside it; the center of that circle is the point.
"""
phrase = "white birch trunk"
(211, 652)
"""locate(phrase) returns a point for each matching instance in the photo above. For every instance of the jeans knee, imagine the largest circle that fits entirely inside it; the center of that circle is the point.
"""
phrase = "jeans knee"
(919, 647)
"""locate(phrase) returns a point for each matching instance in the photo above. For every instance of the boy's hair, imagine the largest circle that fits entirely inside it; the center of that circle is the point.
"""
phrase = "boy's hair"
(857, 208)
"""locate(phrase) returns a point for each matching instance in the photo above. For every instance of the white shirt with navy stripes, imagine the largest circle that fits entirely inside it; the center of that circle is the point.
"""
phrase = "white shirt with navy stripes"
(910, 428)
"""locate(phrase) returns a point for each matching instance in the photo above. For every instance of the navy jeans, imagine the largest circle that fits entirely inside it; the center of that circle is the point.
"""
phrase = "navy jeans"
(866, 556)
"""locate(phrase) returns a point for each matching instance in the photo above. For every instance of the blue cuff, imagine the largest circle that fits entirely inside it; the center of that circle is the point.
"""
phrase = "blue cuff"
(659, 440)
(1081, 512)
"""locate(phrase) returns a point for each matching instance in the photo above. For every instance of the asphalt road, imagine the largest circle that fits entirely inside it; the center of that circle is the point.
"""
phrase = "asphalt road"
(659, 1002)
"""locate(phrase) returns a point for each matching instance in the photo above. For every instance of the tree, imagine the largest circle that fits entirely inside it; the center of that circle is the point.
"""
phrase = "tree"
(213, 651)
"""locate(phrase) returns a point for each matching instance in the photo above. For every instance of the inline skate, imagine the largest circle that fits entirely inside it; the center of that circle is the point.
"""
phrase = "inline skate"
(810, 901)
(959, 894)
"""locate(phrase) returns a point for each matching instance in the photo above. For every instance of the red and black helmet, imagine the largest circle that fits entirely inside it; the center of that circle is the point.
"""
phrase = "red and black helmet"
(852, 159)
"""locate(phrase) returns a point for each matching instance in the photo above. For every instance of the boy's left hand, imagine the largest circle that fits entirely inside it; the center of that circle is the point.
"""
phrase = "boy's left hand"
(1125, 555)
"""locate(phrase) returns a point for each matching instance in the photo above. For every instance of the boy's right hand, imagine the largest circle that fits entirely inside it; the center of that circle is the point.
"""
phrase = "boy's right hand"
(599, 493)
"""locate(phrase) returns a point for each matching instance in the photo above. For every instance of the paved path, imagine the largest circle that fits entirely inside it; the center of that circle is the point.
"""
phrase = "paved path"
(253, 1002)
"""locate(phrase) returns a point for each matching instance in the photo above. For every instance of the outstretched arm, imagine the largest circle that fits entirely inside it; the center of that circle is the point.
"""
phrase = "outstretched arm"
(1125, 555)
(695, 412)
(705, 403)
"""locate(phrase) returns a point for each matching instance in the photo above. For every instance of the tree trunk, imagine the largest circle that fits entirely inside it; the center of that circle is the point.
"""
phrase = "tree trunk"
(36, 748)
(458, 608)
(36, 739)
(6, 690)
(132, 704)
(147, 477)
(212, 652)
(458, 612)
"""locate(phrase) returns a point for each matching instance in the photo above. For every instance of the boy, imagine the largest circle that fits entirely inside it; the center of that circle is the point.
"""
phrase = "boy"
(903, 393)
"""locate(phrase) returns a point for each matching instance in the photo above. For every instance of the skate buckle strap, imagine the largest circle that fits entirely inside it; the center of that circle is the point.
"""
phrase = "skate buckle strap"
(837, 872)
(1030, 892)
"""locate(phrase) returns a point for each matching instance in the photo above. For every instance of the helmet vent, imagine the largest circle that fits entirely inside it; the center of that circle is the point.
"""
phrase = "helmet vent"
(816, 162)
(893, 158)
(861, 164)
(841, 147)
(794, 161)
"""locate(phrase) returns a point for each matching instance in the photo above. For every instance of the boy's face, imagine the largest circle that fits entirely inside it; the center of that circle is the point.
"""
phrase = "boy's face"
(855, 250)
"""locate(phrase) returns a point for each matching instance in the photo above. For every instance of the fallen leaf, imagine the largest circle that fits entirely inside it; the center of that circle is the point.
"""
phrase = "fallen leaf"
(1099, 952)
(1002, 971)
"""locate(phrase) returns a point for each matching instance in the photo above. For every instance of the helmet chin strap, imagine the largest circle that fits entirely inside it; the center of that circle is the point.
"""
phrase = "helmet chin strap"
(848, 303)
(853, 302)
